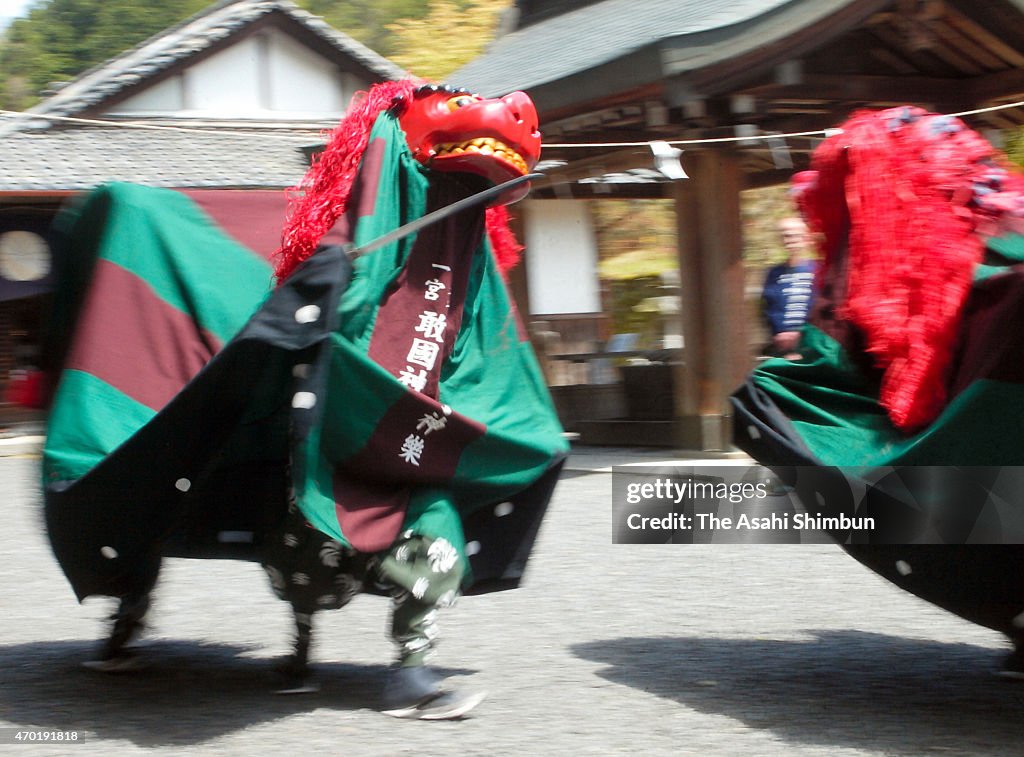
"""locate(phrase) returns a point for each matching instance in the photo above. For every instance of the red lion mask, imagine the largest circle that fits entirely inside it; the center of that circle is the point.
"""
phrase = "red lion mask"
(446, 129)
(452, 130)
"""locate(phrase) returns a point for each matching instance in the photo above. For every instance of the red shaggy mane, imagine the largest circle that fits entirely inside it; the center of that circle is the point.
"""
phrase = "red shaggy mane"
(322, 196)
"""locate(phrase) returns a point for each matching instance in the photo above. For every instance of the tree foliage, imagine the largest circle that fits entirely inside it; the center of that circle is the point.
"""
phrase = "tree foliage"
(60, 39)
(1015, 146)
(368, 20)
(636, 242)
(448, 36)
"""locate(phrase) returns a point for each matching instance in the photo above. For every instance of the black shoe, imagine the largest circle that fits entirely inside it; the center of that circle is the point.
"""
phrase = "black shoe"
(114, 656)
(123, 661)
(295, 677)
(126, 628)
(415, 692)
(1013, 666)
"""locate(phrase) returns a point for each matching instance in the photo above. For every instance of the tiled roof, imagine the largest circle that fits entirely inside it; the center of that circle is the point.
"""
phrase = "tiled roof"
(191, 37)
(83, 158)
(579, 40)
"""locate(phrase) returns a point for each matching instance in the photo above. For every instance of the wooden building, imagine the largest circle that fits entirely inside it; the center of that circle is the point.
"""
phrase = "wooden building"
(616, 75)
(239, 93)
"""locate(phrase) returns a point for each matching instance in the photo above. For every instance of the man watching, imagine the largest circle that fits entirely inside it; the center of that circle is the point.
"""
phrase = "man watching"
(786, 296)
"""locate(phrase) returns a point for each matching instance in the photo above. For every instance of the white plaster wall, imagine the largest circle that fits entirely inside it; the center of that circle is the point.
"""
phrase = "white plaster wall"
(164, 97)
(228, 83)
(561, 257)
(303, 81)
(268, 75)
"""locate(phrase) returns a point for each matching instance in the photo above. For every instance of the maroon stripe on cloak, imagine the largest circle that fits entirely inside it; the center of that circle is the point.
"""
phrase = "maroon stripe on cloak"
(363, 198)
(136, 342)
(253, 218)
(373, 512)
(371, 516)
(993, 312)
(432, 286)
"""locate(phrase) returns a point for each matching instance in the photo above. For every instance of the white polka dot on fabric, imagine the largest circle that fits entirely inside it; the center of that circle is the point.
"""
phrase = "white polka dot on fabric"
(303, 400)
(108, 552)
(753, 432)
(183, 484)
(307, 314)
(472, 548)
(505, 508)
(903, 568)
(420, 587)
(301, 370)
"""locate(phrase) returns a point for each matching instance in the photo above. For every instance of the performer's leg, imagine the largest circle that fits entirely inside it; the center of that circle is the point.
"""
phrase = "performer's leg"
(1013, 665)
(114, 655)
(303, 636)
(295, 670)
(311, 572)
(426, 575)
(128, 621)
(413, 629)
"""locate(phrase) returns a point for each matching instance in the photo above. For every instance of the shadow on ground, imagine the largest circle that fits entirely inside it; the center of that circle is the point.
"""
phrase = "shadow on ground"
(189, 693)
(838, 689)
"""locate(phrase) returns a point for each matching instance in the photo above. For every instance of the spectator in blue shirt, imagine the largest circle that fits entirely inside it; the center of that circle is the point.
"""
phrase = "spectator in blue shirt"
(786, 297)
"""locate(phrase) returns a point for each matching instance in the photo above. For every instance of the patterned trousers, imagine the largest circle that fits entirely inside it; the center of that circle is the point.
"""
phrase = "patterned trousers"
(312, 571)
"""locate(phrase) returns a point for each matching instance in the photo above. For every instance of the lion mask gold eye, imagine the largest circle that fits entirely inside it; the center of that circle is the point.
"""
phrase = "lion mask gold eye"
(461, 101)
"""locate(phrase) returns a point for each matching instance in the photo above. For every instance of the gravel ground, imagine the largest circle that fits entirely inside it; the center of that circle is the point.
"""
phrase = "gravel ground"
(607, 649)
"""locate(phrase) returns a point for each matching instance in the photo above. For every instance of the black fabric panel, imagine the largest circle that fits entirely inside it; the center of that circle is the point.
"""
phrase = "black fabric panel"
(226, 433)
(981, 583)
(506, 533)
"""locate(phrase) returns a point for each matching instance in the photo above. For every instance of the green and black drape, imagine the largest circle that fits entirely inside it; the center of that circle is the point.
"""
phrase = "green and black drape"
(195, 397)
(946, 495)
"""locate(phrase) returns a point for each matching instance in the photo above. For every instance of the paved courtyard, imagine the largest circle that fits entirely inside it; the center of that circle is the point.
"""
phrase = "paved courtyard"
(607, 649)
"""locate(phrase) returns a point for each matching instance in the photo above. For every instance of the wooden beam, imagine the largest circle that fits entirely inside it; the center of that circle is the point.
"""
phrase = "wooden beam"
(892, 60)
(960, 41)
(998, 121)
(985, 38)
(953, 57)
(556, 116)
(893, 40)
(1003, 85)
(871, 88)
(621, 191)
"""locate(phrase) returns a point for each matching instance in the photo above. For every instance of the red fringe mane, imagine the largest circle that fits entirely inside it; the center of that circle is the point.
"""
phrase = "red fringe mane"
(897, 188)
(322, 196)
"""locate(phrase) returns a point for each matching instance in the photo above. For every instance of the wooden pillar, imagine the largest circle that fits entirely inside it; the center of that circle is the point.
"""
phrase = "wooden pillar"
(710, 246)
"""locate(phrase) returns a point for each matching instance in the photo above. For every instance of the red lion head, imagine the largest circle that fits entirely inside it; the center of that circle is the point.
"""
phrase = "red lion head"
(446, 129)
(453, 130)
